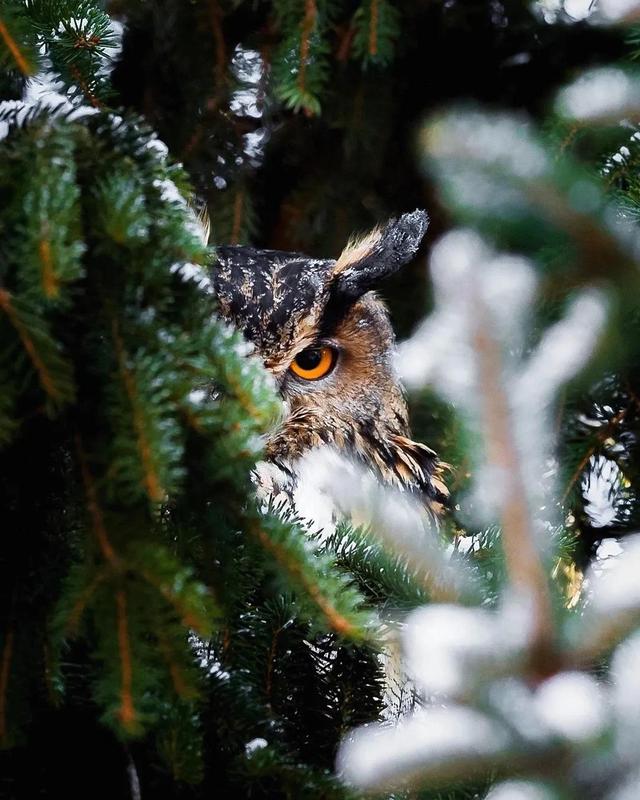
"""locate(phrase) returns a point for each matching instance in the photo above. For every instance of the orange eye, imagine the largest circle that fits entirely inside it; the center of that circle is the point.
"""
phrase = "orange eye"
(314, 363)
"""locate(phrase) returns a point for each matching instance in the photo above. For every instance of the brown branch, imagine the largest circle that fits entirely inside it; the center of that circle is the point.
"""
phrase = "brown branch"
(597, 247)
(238, 208)
(151, 481)
(344, 47)
(77, 76)
(12, 46)
(127, 713)
(568, 139)
(99, 527)
(308, 23)
(5, 671)
(82, 602)
(188, 619)
(524, 565)
(50, 281)
(600, 638)
(373, 29)
(215, 18)
(213, 102)
(226, 639)
(46, 381)
(181, 687)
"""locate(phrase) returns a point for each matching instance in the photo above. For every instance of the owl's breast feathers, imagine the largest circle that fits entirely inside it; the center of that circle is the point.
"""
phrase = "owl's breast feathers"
(395, 459)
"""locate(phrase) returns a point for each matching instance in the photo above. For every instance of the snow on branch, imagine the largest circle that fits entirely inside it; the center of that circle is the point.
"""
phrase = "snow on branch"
(506, 690)
(604, 94)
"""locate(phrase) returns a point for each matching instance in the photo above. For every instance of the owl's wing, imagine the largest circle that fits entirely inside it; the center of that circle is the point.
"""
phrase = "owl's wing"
(418, 467)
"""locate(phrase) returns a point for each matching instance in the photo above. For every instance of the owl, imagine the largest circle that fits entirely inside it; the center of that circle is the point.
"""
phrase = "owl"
(326, 338)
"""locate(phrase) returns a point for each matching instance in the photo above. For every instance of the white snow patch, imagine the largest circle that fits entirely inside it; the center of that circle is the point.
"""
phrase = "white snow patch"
(608, 549)
(44, 90)
(563, 351)
(248, 68)
(450, 649)
(578, 9)
(428, 743)
(499, 141)
(600, 94)
(197, 396)
(596, 489)
(619, 10)
(393, 516)
(255, 744)
(573, 705)
(520, 790)
(617, 590)
(157, 146)
(169, 192)
(629, 790)
(625, 695)
(194, 272)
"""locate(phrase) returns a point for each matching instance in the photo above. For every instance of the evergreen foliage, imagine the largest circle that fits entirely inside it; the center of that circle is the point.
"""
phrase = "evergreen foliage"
(159, 633)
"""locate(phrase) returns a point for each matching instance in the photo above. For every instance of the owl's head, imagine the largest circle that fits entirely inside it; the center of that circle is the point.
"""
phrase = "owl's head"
(326, 338)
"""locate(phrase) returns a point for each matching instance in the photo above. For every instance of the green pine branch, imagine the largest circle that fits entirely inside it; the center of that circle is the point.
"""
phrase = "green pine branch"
(377, 28)
(327, 596)
(301, 64)
(18, 45)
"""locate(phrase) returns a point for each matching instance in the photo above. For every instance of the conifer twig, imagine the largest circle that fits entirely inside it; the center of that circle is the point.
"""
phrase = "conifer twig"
(336, 620)
(215, 18)
(99, 527)
(373, 29)
(151, 480)
(308, 23)
(46, 380)
(127, 713)
(5, 671)
(188, 619)
(12, 46)
(50, 282)
(179, 683)
(602, 435)
(523, 561)
(89, 94)
(82, 602)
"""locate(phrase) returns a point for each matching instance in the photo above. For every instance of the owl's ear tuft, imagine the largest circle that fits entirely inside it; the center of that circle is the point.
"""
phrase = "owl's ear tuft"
(365, 262)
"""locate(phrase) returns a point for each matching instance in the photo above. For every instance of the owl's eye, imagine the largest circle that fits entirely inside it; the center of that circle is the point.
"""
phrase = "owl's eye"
(314, 363)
